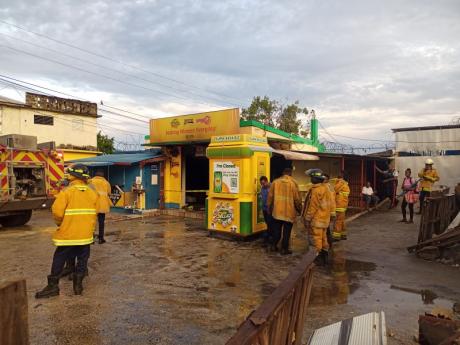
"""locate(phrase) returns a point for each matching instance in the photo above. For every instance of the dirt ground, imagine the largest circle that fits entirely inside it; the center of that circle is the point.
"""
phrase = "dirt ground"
(161, 280)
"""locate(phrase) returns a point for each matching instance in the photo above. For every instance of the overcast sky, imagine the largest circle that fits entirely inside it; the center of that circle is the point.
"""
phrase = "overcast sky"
(364, 66)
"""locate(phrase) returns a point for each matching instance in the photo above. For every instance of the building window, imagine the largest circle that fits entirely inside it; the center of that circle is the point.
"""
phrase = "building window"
(43, 120)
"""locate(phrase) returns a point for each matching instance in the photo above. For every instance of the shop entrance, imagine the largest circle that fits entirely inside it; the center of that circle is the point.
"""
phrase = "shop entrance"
(196, 176)
(277, 164)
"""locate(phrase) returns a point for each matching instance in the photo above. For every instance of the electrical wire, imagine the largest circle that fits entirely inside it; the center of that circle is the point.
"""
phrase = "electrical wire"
(115, 70)
(118, 61)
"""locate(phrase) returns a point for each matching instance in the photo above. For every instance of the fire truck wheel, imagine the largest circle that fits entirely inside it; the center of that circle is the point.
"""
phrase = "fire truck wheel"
(17, 219)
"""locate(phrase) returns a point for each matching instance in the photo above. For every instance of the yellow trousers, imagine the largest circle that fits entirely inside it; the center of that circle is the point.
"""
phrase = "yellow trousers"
(339, 228)
(319, 238)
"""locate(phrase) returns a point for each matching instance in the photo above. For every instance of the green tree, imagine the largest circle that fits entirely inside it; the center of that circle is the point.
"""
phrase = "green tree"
(289, 119)
(263, 110)
(104, 143)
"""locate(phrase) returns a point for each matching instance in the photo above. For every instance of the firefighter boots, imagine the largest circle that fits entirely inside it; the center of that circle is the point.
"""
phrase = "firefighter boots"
(52, 289)
(78, 283)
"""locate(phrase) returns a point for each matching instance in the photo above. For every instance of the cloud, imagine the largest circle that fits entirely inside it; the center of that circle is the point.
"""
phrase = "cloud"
(364, 66)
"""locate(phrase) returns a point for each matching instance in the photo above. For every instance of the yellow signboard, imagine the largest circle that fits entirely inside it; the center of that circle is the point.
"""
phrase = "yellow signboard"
(194, 127)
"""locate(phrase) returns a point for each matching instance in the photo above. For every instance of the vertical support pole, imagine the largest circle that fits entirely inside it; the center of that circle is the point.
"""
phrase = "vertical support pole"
(375, 175)
(362, 182)
(343, 164)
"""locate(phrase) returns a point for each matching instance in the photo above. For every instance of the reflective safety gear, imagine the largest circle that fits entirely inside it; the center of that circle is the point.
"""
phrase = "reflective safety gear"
(284, 199)
(333, 204)
(429, 177)
(318, 206)
(104, 189)
(319, 237)
(342, 191)
(74, 211)
(50, 290)
(339, 228)
(78, 283)
(314, 173)
(429, 161)
(78, 171)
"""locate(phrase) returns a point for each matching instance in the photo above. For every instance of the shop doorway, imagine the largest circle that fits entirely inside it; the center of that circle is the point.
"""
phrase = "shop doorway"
(277, 164)
(196, 177)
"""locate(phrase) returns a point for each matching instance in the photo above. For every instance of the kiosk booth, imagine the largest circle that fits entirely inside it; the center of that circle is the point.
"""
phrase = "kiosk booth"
(236, 162)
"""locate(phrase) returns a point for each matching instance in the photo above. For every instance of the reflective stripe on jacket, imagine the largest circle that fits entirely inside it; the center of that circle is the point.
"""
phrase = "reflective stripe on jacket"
(104, 189)
(318, 206)
(284, 199)
(342, 191)
(74, 211)
(429, 177)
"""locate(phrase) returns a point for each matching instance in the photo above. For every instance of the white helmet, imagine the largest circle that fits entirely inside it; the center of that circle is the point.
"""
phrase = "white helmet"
(429, 161)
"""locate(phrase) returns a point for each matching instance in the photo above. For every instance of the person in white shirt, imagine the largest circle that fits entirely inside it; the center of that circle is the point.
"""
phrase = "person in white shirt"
(368, 195)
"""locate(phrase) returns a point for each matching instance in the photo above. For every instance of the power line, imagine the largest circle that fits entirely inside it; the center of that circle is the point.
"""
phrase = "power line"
(117, 61)
(115, 70)
(121, 81)
(17, 83)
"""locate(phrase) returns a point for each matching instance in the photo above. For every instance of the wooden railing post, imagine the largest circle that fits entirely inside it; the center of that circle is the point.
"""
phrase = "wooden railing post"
(14, 329)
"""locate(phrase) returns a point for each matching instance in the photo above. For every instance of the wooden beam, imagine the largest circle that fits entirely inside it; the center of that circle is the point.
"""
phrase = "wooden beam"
(14, 328)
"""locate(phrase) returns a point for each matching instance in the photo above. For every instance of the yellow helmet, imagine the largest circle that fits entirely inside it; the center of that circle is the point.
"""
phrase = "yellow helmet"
(429, 161)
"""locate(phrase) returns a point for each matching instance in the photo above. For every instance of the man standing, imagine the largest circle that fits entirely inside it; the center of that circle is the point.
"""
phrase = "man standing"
(284, 203)
(342, 191)
(104, 189)
(265, 189)
(317, 212)
(390, 182)
(74, 211)
(429, 176)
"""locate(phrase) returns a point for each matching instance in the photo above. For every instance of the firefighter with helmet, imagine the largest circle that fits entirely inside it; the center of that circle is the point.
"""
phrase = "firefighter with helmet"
(428, 177)
(74, 211)
(317, 211)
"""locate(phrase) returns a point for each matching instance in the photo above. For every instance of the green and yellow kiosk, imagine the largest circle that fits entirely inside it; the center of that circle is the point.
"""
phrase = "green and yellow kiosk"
(236, 162)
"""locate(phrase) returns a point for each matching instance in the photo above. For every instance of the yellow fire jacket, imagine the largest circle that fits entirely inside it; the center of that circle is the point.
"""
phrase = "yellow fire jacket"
(342, 191)
(429, 177)
(332, 192)
(318, 206)
(104, 189)
(284, 199)
(74, 211)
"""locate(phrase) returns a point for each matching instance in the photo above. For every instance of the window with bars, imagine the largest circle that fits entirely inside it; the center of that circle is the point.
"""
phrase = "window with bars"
(43, 120)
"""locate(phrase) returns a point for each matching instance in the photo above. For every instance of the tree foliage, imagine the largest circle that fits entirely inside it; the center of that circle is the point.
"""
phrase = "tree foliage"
(288, 118)
(261, 109)
(104, 143)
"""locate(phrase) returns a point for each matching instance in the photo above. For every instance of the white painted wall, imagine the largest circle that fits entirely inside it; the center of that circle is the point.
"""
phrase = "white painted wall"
(67, 129)
(433, 140)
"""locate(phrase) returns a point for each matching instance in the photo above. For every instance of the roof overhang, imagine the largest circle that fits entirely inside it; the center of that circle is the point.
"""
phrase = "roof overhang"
(295, 156)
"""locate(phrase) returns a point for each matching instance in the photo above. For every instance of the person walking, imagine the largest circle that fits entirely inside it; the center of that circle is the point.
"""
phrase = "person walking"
(429, 176)
(410, 196)
(284, 203)
(74, 211)
(104, 189)
(342, 192)
(318, 207)
(264, 190)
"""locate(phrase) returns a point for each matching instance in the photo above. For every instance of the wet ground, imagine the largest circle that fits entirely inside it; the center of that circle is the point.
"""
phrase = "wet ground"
(163, 281)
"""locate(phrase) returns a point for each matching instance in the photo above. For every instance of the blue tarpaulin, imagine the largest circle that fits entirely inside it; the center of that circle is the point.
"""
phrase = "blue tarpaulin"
(119, 158)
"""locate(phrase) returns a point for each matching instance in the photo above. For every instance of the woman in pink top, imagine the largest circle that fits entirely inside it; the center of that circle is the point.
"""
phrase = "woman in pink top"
(409, 186)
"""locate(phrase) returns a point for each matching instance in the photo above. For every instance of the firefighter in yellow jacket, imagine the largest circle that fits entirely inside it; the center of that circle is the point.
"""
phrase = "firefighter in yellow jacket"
(429, 176)
(74, 211)
(317, 212)
(104, 189)
(342, 191)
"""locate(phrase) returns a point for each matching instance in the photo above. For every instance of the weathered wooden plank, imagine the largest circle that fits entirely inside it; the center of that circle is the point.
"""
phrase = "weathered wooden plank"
(14, 329)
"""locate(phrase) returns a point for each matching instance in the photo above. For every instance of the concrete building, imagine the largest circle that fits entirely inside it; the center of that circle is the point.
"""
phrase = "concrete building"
(70, 124)
(440, 143)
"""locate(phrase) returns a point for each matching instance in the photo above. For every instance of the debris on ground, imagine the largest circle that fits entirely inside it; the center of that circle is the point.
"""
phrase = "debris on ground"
(438, 330)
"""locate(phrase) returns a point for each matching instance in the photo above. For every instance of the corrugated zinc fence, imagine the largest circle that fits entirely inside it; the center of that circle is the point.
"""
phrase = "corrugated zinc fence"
(280, 318)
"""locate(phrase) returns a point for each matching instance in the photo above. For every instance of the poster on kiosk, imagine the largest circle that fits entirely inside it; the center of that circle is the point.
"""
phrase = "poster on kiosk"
(236, 163)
